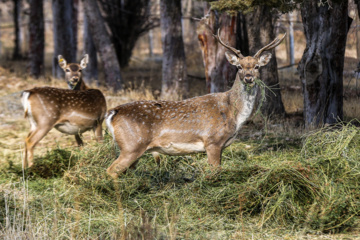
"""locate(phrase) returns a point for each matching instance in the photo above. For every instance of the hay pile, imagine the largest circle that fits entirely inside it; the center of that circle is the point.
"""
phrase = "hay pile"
(313, 186)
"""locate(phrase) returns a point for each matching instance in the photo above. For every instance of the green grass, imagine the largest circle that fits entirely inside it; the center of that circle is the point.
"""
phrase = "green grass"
(268, 188)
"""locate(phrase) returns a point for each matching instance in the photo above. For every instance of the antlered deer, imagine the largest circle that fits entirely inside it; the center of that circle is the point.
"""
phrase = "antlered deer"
(69, 111)
(202, 124)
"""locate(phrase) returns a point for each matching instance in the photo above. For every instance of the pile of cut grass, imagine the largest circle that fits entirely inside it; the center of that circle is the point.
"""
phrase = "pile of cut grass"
(311, 187)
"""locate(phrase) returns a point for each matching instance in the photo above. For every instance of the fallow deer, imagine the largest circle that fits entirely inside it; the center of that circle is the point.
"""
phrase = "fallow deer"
(71, 111)
(202, 124)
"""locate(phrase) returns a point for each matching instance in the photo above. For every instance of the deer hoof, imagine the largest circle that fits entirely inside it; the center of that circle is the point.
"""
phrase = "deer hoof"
(112, 174)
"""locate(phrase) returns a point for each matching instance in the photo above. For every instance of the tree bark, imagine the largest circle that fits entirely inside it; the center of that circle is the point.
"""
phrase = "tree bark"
(357, 2)
(90, 73)
(17, 49)
(261, 31)
(37, 38)
(104, 46)
(219, 73)
(75, 15)
(321, 67)
(242, 38)
(291, 39)
(192, 9)
(174, 79)
(63, 34)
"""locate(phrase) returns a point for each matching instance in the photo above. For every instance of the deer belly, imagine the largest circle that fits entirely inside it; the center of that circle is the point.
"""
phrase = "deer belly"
(70, 129)
(180, 148)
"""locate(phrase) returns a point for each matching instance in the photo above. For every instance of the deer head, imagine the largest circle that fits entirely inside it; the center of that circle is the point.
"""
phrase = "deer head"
(73, 72)
(248, 67)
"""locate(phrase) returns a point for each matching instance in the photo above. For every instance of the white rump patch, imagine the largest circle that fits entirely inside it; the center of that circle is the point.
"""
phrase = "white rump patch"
(27, 109)
(108, 120)
(24, 100)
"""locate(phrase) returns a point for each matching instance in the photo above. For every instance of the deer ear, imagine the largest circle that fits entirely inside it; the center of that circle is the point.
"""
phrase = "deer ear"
(232, 58)
(84, 61)
(62, 62)
(264, 59)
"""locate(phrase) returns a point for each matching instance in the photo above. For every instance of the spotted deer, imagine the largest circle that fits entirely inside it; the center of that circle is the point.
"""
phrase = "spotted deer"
(71, 111)
(207, 123)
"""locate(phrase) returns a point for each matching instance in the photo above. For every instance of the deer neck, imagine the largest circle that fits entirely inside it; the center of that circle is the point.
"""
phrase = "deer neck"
(242, 98)
(80, 86)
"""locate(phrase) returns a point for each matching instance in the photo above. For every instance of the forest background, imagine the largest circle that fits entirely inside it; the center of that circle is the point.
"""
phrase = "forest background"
(150, 201)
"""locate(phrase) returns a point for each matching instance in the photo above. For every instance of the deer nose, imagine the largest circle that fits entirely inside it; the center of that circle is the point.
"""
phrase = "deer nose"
(248, 78)
(75, 79)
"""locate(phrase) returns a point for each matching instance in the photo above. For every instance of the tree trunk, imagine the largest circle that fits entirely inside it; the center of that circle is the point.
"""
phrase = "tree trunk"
(174, 80)
(63, 34)
(37, 37)
(357, 2)
(17, 40)
(127, 21)
(194, 63)
(151, 43)
(103, 44)
(90, 73)
(75, 14)
(242, 38)
(261, 31)
(219, 73)
(291, 39)
(321, 67)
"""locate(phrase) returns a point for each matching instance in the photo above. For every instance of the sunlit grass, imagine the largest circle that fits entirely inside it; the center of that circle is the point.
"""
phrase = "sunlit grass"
(269, 186)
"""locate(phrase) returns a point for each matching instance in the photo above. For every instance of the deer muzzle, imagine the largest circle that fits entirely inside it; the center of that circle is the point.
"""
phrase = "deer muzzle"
(248, 79)
(74, 80)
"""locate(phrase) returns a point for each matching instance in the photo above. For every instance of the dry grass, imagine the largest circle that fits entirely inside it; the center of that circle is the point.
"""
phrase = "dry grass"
(271, 187)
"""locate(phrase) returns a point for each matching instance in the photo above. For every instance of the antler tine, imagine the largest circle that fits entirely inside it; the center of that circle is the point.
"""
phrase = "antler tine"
(271, 45)
(237, 52)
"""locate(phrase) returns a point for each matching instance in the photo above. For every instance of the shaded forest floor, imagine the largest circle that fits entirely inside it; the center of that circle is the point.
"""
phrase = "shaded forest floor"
(277, 182)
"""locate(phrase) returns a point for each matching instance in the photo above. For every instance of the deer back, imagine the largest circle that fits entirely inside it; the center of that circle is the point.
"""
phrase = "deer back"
(205, 119)
(48, 105)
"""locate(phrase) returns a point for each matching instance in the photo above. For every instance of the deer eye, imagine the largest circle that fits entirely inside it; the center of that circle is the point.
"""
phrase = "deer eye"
(257, 67)
(67, 70)
(239, 67)
(80, 70)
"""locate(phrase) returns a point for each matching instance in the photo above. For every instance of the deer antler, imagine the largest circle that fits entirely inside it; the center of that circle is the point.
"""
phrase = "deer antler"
(234, 50)
(271, 45)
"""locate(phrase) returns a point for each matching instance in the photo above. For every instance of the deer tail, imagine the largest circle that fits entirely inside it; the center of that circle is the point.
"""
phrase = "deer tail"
(25, 102)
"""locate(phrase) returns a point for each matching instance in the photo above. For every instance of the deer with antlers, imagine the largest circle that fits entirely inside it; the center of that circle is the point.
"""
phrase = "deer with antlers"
(202, 124)
(71, 111)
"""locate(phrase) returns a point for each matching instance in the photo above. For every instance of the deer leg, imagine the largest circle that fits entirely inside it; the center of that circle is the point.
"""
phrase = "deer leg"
(30, 142)
(79, 140)
(98, 132)
(214, 155)
(157, 158)
(124, 161)
(133, 166)
(156, 155)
